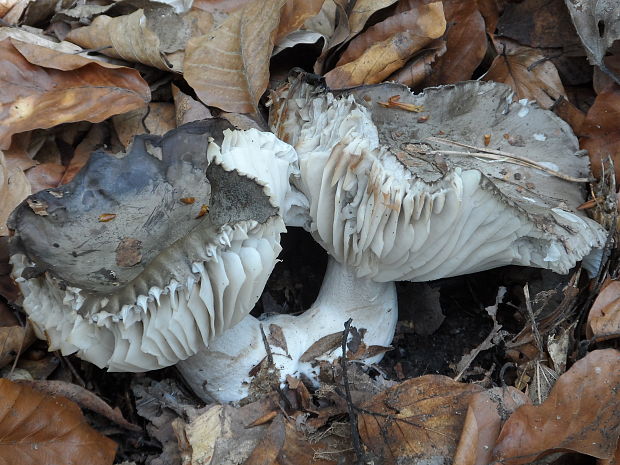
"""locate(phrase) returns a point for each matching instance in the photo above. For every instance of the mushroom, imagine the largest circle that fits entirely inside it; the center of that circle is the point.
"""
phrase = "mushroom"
(389, 202)
(141, 260)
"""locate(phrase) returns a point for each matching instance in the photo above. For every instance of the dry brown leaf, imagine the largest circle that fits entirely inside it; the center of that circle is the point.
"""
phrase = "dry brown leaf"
(83, 397)
(387, 46)
(486, 413)
(13, 341)
(580, 415)
(93, 141)
(35, 97)
(229, 67)
(14, 187)
(420, 418)
(600, 131)
(362, 10)
(188, 109)
(540, 24)
(466, 43)
(6, 5)
(528, 72)
(160, 119)
(421, 66)
(45, 176)
(149, 36)
(294, 14)
(604, 317)
(35, 428)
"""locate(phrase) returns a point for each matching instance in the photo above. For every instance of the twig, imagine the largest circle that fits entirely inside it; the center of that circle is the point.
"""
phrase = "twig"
(508, 157)
(355, 435)
(276, 385)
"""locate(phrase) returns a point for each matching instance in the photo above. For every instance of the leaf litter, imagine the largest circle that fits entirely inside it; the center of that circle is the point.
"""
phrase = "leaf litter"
(542, 378)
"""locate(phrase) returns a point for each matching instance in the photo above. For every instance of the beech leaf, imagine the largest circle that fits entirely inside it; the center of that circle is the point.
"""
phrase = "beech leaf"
(35, 428)
(580, 414)
(229, 67)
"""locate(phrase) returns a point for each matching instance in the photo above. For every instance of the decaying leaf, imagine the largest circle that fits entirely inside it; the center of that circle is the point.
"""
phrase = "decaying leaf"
(486, 413)
(362, 10)
(385, 47)
(420, 67)
(35, 427)
(528, 72)
(14, 339)
(14, 187)
(466, 43)
(419, 419)
(600, 132)
(158, 118)
(580, 414)
(34, 96)
(598, 25)
(604, 317)
(150, 36)
(229, 67)
(188, 109)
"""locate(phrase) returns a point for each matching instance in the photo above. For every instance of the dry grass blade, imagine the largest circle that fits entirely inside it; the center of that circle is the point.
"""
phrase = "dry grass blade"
(229, 67)
(492, 154)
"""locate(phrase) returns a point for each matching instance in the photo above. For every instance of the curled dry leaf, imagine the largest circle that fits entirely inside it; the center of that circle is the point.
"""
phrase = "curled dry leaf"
(420, 67)
(150, 36)
(600, 132)
(385, 47)
(229, 67)
(13, 341)
(466, 43)
(188, 109)
(580, 415)
(37, 97)
(362, 10)
(417, 419)
(598, 25)
(604, 317)
(35, 427)
(527, 71)
(486, 413)
(14, 187)
(294, 14)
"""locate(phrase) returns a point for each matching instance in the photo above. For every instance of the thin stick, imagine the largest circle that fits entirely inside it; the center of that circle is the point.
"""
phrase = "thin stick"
(524, 161)
(355, 435)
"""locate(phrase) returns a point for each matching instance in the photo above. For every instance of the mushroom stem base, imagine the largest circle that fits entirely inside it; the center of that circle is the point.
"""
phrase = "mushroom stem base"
(298, 344)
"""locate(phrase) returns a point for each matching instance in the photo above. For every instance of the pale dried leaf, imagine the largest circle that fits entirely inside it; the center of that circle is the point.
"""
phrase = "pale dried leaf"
(145, 36)
(229, 67)
(160, 119)
(14, 187)
(362, 10)
(188, 109)
(387, 46)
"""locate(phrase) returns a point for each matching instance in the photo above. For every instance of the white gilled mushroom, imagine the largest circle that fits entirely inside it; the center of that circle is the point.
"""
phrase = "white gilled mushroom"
(390, 209)
(140, 261)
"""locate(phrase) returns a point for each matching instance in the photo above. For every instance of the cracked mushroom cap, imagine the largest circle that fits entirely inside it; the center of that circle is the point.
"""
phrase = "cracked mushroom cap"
(392, 201)
(141, 260)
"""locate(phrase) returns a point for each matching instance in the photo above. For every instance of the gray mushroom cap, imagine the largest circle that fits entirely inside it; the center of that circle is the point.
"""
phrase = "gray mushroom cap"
(124, 265)
(392, 201)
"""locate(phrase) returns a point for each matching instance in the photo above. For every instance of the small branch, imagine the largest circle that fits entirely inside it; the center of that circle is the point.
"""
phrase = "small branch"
(504, 156)
(355, 435)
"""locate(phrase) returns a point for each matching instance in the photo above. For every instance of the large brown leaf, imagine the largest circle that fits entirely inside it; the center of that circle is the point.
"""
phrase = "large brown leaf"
(528, 72)
(14, 187)
(466, 43)
(420, 418)
(229, 67)
(604, 316)
(580, 414)
(33, 96)
(385, 47)
(601, 132)
(40, 430)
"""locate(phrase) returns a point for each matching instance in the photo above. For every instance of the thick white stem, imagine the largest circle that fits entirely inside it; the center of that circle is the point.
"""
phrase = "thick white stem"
(222, 371)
